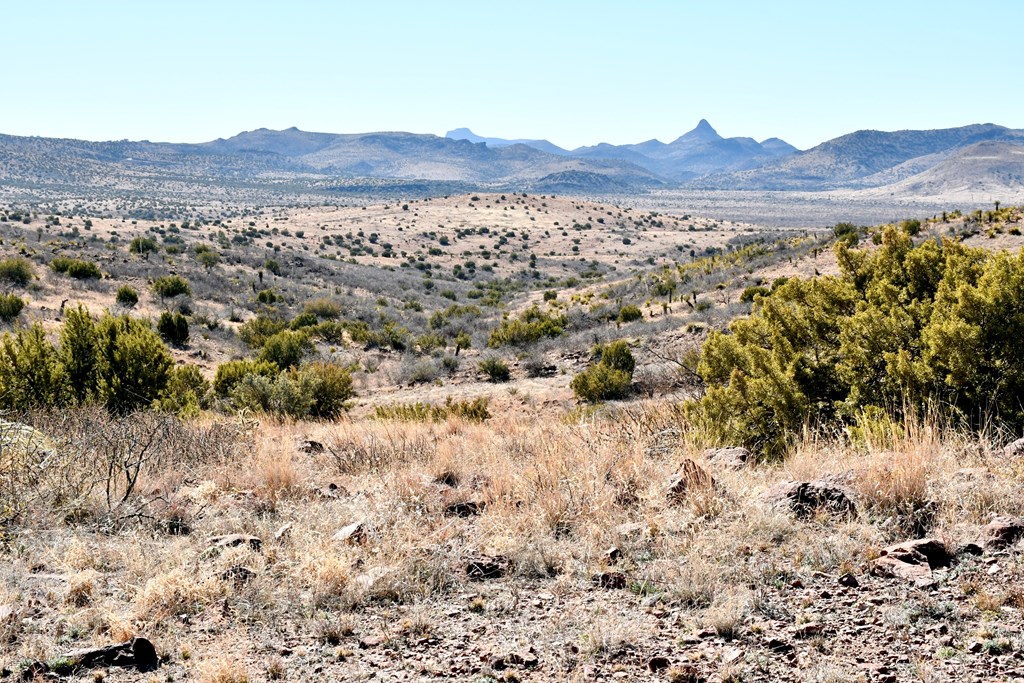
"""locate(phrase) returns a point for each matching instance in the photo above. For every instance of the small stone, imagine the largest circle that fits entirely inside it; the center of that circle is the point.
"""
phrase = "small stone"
(235, 540)
(610, 580)
(656, 664)
(849, 580)
(483, 567)
(733, 457)
(464, 508)
(353, 533)
(612, 555)
(311, 447)
(805, 498)
(811, 628)
(284, 531)
(688, 478)
(238, 575)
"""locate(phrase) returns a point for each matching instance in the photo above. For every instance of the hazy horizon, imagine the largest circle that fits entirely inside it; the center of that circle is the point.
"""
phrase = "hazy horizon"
(575, 74)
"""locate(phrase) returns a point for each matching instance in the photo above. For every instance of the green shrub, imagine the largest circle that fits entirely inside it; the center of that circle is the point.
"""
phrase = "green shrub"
(79, 352)
(143, 245)
(16, 271)
(324, 309)
(76, 268)
(846, 233)
(173, 328)
(609, 378)
(319, 390)
(187, 392)
(268, 296)
(171, 286)
(495, 369)
(230, 373)
(134, 364)
(286, 348)
(750, 293)
(601, 383)
(629, 313)
(10, 307)
(530, 327)
(330, 386)
(303, 320)
(31, 373)
(258, 330)
(901, 329)
(126, 296)
(272, 266)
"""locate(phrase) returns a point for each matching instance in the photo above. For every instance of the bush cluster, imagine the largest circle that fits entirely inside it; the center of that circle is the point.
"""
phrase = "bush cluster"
(119, 362)
(902, 329)
(532, 326)
(609, 378)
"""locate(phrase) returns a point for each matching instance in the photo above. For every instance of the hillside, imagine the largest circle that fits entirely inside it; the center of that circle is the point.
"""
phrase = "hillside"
(265, 156)
(860, 159)
(450, 523)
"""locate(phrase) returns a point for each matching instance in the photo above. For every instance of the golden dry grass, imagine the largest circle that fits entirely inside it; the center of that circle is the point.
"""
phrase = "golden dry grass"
(555, 493)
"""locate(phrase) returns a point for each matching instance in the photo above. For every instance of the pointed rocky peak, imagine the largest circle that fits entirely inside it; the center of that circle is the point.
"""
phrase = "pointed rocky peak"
(702, 133)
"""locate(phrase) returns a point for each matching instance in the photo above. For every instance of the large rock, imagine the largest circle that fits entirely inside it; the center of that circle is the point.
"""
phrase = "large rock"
(733, 457)
(137, 653)
(805, 498)
(1014, 449)
(690, 477)
(912, 560)
(1002, 532)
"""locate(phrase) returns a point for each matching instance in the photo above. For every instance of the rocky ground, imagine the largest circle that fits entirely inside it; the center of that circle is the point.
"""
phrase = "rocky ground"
(532, 549)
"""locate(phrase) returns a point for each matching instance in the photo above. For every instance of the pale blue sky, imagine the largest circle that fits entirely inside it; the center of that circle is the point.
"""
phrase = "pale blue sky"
(573, 72)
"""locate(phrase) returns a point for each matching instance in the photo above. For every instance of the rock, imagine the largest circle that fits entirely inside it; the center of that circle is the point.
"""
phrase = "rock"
(1014, 449)
(353, 533)
(309, 446)
(631, 530)
(811, 628)
(34, 670)
(137, 652)
(970, 549)
(526, 659)
(688, 478)
(238, 575)
(612, 555)
(912, 560)
(283, 532)
(483, 567)
(849, 580)
(235, 540)
(610, 580)
(733, 457)
(1002, 532)
(464, 508)
(331, 491)
(369, 642)
(687, 673)
(780, 647)
(656, 664)
(805, 498)
(447, 478)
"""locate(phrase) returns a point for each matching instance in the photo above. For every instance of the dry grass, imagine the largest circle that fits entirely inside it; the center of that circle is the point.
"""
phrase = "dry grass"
(554, 495)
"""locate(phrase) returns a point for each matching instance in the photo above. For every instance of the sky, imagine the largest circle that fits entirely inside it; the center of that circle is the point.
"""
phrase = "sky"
(574, 72)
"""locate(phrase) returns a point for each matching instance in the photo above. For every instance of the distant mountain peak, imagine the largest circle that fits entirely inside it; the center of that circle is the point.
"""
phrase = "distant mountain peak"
(702, 133)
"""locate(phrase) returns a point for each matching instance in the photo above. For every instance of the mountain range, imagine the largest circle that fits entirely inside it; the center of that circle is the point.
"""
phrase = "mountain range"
(692, 155)
(983, 158)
